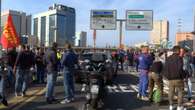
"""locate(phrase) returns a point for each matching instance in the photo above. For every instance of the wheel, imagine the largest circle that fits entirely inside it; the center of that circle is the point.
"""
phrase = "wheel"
(84, 107)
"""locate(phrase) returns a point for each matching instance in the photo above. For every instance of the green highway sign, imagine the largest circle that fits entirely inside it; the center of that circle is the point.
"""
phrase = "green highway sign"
(136, 16)
(137, 20)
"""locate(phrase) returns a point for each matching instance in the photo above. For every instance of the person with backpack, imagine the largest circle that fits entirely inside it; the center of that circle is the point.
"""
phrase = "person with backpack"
(24, 62)
(145, 61)
(173, 71)
(69, 60)
(155, 77)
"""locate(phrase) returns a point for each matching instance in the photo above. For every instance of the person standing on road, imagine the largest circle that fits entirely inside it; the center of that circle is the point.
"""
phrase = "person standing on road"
(175, 74)
(115, 62)
(145, 62)
(121, 56)
(130, 60)
(3, 60)
(187, 68)
(135, 57)
(69, 60)
(193, 63)
(12, 54)
(24, 62)
(155, 76)
(51, 65)
(40, 65)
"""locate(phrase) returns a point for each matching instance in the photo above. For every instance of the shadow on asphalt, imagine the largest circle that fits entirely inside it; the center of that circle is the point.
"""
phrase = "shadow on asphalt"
(122, 100)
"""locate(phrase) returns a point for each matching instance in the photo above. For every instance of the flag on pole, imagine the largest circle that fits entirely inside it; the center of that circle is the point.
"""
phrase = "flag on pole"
(9, 38)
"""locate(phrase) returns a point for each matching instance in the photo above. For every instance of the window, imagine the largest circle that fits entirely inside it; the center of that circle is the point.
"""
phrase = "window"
(43, 30)
(61, 24)
(52, 28)
(35, 30)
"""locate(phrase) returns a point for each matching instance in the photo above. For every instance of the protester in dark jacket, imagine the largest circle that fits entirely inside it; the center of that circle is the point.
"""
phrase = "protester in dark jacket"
(69, 60)
(155, 76)
(12, 54)
(3, 60)
(115, 61)
(40, 66)
(175, 75)
(51, 64)
(130, 60)
(23, 64)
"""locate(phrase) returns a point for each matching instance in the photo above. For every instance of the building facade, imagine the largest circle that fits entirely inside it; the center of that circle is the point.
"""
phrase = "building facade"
(55, 25)
(81, 39)
(22, 22)
(160, 32)
(185, 39)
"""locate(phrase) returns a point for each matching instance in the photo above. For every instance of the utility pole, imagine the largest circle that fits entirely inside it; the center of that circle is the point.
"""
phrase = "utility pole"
(94, 39)
(120, 31)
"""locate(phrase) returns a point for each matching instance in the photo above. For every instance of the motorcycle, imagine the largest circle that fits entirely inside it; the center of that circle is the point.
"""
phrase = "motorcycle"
(95, 86)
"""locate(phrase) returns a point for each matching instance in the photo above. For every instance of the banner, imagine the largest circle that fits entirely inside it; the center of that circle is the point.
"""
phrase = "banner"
(9, 38)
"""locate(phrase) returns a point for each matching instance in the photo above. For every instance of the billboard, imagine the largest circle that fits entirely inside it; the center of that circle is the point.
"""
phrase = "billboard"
(139, 20)
(103, 19)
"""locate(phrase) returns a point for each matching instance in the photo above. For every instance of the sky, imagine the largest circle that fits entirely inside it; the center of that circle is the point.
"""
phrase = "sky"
(171, 10)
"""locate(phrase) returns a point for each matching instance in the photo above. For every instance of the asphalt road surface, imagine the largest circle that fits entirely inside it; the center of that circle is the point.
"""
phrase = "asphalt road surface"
(121, 96)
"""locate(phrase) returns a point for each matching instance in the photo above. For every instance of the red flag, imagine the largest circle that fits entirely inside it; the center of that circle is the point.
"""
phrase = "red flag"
(9, 38)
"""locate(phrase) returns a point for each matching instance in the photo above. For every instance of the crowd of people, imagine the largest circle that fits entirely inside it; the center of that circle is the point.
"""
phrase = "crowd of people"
(26, 66)
(177, 66)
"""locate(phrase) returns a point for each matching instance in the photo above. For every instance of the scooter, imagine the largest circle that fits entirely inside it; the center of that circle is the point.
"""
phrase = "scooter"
(95, 86)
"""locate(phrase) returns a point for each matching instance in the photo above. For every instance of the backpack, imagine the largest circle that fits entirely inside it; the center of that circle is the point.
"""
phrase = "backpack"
(156, 97)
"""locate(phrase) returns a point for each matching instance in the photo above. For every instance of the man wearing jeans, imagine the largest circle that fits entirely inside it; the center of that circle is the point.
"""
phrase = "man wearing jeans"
(175, 74)
(12, 54)
(68, 61)
(3, 61)
(145, 62)
(51, 63)
(22, 68)
(187, 68)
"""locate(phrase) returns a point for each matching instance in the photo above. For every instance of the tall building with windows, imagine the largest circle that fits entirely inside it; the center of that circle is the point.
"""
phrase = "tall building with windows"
(55, 25)
(22, 22)
(160, 32)
(81, 39)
